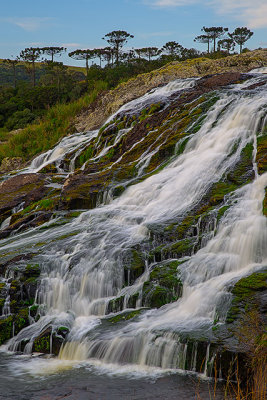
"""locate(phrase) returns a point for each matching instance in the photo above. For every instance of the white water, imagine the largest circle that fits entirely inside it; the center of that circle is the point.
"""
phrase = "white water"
(68, 145)
(154, 96)
(83, 273)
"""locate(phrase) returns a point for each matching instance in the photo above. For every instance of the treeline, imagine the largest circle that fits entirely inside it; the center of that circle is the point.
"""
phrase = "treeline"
(52, 82)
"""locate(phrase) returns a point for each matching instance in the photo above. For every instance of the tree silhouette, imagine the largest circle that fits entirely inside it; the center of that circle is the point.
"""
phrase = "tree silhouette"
(52, 51)
(13, 63)
(31, 55)
(148, 52)
(172, 48)
(226, 44)
(117, 39)
(204, 39)
(108, 55)
(86, 55)
(241, 35)
(215, 32)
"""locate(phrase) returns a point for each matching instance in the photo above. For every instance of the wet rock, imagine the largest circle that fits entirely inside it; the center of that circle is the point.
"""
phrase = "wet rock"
(42, 344)
(108, 103)
(25, 188)
(10, 164)
(87, 188)
(29, 221)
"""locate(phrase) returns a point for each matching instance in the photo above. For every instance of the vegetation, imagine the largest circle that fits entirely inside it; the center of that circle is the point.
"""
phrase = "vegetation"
(240, 36)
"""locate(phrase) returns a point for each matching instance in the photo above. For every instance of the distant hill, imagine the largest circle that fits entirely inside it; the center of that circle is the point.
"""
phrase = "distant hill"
(6, 72)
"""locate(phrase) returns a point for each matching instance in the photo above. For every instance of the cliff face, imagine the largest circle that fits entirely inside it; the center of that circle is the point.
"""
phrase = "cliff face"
(110, 102)
(167, 180)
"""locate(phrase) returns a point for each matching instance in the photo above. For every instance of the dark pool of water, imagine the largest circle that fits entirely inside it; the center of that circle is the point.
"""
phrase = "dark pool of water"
(87, 383)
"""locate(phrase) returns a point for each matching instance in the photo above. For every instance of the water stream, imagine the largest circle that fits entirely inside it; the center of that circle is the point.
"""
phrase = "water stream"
(81, 273)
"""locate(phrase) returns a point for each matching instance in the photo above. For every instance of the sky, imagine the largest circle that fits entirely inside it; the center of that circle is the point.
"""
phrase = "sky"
(81, 24)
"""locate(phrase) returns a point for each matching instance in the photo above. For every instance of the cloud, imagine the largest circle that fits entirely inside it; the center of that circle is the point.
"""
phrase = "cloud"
(77, 45)
(29, 24)
(250, 13)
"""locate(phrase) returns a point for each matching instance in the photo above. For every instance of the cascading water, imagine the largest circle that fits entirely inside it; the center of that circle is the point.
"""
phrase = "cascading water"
(84, 272)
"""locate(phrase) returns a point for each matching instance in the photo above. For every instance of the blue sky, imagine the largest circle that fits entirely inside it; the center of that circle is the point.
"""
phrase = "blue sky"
(82, 23)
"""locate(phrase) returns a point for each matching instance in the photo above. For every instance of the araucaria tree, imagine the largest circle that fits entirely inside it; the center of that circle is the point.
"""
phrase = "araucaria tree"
(172, 48)
(150, 52)
(226, 44)
(86, 55)
(31, 55)
(117, 39)
(53, 51)
(241, 35)
(204, 39)
(214, 32)
(12, 63)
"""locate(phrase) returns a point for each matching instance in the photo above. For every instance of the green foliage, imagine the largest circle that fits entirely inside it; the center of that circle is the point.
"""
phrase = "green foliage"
(240, 36)
(40, 137)
(20, 119)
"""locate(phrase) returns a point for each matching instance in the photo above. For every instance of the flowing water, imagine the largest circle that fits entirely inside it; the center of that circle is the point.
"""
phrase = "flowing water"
(84, 271)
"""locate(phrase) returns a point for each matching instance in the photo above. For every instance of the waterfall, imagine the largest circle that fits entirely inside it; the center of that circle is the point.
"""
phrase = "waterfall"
(83, 273)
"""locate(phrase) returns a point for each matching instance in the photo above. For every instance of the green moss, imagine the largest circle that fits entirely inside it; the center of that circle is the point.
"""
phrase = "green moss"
(84, 156)
(125, 316)
(42, 344)
(63, 329)
(219, 190)
(74, 214)
(244, 293)
(264, 204)
(6, 329)
(32, 270)
(164, 285)
(221, 212)
(242, 172)
(261, 157)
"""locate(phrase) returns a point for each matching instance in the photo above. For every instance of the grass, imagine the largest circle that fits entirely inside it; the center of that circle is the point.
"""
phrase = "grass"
(252, 338)
(57, 123)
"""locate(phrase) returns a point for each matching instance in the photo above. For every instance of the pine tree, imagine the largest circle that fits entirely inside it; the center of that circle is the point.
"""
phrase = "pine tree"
(240, 36)
(117, 39)
(31, 55)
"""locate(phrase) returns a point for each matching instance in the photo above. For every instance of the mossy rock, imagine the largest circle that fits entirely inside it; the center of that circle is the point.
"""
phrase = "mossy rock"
(164, 285)
(243, 172)
(264, 204)
(6, 329)
(42, 342)
(124, 316)
(245, 293)
(134, 266)
(261, 156)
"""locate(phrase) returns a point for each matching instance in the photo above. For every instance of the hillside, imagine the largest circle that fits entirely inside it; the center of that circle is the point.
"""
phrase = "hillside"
(23, 73)
(140, 240)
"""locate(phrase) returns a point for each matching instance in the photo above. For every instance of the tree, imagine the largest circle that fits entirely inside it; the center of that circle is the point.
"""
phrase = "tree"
(108, 55)
(240, 36)
(100, 54)
(172, 48)
(13, 63)
(139, 52)
(190, 53)
(86, 55)
(128, 56)
(31, 55)
(52, 51)
(215, 32)
(148, 52)
(226, 44)
(117, 39)
(204, 39)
